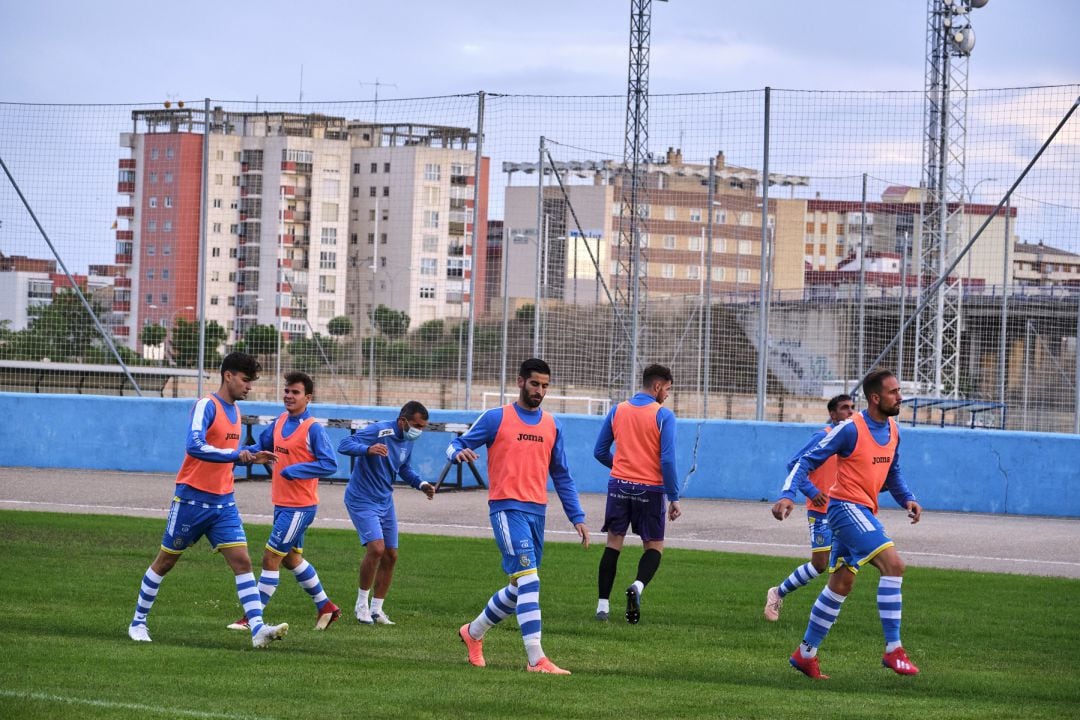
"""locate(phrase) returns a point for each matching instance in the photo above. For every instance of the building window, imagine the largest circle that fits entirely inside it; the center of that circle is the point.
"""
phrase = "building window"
(382, 238)
(327, 260)
(356, 191)
(353, 239)
(215, 275)
(373, 191)
(217, 227)
(213, 299)
(232, 252)
(164, 298)
(431, 195)
(371, 238)
(455, 267)
(431, 243)
(169, 153)
(669, 242)
(217, 202)
(215, 252)
(431, 219)
(154, 154)
(427, 292)
(720, 217)
(695, 214)
(744, 247)
(151, 225)
(166, 249)
(168, 178)
(386, 167)
(694, 242)
(329, 212)
(150, 274)
(718, 274)
(153, 201)
(326, 308)
(429, 266)
(164, 273)
(432, 172)
(693, 272)
(743, 276)
(153, 177)
(329, 236)
(374, 167)
(151, 250)
(327, 283)
(166, 226)
(149, 298)
(356, 168)
(168, 201)
(386, 191)
(667, 271)
(669, 213)
(234, 229)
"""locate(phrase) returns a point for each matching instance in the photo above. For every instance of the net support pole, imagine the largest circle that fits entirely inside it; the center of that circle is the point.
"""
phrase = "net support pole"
(200, 362)
(763, 309)
(472, 251)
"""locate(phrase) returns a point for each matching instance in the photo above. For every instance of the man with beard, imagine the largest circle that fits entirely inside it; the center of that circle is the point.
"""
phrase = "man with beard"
(868, 460)
(525, 445)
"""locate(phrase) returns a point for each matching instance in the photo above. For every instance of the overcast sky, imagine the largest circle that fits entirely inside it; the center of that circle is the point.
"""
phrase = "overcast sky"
(117, 51)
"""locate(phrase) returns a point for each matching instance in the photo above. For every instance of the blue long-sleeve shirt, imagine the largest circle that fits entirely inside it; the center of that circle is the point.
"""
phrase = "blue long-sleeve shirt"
(483, 433)
(325, 462)
(807, 488)
(371, 481)
(841, 441)
(665, 422)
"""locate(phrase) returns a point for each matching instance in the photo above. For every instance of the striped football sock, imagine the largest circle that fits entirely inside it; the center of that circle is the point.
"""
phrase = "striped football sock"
(501, 604)
(148, 591)
(248, 592)
(309, 580)
(822, 617)
(799, 577)
(528, 615)
(268, 584)
(889, 602)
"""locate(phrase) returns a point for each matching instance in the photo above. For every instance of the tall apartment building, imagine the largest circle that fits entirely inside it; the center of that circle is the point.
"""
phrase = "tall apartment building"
(674, 237)
(289, 197)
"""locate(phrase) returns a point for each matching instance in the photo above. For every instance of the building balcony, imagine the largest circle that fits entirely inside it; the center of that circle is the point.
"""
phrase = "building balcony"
(121, 331)
(122, 282)
(121, 307)
(127, 163)
(126, 211)
(123, 259)
(125, 235)
(127, 188)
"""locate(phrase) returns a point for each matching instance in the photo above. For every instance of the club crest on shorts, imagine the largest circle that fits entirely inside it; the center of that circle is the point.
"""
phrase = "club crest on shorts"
(524, 561)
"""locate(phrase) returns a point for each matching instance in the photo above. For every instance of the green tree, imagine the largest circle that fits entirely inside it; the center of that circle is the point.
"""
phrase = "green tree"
(391, 323)
(431, 331)
(339, 326)
(185, 343)
(261, 340)
(312, 354)
(61, 330)
(525, 314)
(153, 334)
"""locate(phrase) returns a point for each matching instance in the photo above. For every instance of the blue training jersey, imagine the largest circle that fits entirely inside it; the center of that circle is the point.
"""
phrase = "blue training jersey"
(482, 433)
(371, 481)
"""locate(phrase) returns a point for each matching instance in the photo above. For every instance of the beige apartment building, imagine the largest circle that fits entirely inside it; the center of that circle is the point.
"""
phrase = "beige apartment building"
(294, 205)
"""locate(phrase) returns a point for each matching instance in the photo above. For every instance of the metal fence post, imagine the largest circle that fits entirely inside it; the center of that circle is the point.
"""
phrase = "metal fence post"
(763, 309)
(472, 252)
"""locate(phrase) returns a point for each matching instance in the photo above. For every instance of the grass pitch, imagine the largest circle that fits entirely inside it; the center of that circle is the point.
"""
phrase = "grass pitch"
(988, 645)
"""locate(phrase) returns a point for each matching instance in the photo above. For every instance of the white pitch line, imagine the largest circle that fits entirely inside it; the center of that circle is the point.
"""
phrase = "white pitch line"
(137, 707)
(485, 529)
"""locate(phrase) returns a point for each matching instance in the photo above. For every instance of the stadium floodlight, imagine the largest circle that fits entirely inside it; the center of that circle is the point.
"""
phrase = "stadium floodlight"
(963, 40)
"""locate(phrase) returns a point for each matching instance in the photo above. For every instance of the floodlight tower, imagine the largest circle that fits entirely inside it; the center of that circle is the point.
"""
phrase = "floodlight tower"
(630, 280)
(949, 42)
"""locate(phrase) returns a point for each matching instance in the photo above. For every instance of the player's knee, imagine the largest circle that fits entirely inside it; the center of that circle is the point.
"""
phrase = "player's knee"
(820, 561)
(390, 555)
(376, 549)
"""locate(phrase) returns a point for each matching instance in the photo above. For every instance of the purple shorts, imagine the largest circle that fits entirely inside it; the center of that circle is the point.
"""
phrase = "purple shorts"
(639, 507)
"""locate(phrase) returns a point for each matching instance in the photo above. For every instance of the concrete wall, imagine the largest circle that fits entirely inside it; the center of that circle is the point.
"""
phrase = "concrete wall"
(948, 469)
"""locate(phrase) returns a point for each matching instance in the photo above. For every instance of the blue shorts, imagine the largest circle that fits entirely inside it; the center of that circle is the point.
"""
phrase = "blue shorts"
(374, 522)
(820, 532)
(858, 536)
(189, 520)
(290, 526)
(635, 506)
(520, 537)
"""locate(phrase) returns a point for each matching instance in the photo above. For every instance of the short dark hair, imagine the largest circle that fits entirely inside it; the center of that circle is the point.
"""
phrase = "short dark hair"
(413, 407)
(240, 362)
(296, 376)
(656, 372)
(873, 382)
(831, 405)
(533, 365)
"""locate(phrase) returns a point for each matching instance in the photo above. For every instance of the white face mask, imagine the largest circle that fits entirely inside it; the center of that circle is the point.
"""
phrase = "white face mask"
(412, 433)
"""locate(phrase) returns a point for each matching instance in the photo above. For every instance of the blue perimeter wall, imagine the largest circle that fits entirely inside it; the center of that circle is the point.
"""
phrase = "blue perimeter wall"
(947, 469)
